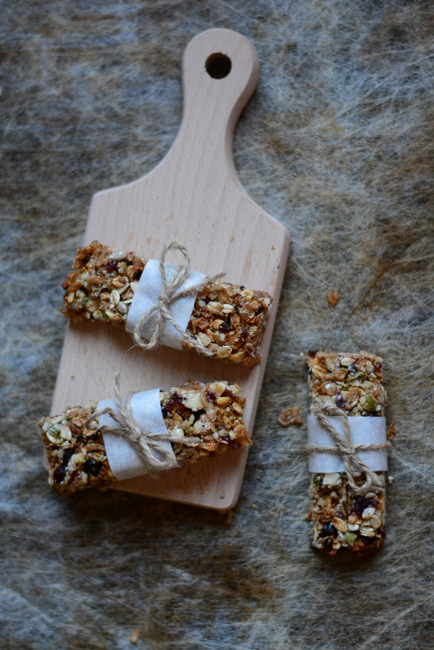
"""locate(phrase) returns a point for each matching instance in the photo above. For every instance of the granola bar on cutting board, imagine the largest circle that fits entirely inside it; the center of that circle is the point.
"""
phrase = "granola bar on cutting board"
(227, 320)
(194, 197)
(202, 420)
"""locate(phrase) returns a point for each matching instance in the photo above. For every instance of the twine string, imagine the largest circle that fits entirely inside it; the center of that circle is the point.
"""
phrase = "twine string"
(169, 295)
(154, 454)
(345, 448)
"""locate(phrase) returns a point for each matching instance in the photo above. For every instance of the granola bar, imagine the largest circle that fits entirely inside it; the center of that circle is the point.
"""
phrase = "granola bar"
(229, 320)
(207, 419)
(340, 518)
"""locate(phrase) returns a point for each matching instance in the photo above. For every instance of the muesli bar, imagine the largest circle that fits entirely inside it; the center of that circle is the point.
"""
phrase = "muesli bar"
(340, 518)
(229, 320)
(207, 419)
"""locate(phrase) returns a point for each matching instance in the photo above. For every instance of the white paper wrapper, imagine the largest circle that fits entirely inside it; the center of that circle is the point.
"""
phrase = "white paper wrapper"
(146, 296)
(364, 431)
(122, 457)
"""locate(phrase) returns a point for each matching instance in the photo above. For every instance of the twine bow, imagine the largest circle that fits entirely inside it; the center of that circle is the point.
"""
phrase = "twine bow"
(167, 297)
(155, 455)
(345, 448)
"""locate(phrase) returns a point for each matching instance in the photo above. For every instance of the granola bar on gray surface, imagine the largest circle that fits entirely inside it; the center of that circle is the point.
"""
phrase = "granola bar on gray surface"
(340, 518)
(207, 419)
(229, 320)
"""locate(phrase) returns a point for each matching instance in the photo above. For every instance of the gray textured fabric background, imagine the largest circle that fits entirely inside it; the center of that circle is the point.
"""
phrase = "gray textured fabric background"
(336, 143)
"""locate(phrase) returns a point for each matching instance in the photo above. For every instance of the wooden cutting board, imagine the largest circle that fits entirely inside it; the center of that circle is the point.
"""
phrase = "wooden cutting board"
(194, 197)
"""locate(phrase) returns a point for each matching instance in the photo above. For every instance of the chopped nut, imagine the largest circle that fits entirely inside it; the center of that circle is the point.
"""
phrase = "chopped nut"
(120, 282)
(224, 351)
(118, 256)
(114, 297)
(331, 479)
(64, 432)
(204, 339)
(237, 408)
(194, 401)
(224, 401)
(375, 521)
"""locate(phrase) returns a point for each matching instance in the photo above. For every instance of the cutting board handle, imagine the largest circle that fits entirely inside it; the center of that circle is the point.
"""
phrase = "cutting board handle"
(220, 73)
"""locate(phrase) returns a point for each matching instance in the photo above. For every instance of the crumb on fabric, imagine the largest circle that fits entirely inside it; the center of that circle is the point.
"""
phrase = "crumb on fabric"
(289, 416)
(332, 298)
(391, 431)
(135, 635)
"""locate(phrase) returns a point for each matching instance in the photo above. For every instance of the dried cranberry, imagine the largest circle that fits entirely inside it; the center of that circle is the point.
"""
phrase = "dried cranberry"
(94, 436)
(177, 399)
(67, 456)
(361, 502)
(80, 438)
(168, 407)
(59, 474)
(311, 353)
(232, 443)
(237, 309)
(352, 368)
(111, 265)
(367, 540)
(378, 366)
(164, 412)
(211, 396)
(226, 325)
(340, 402)
(92, 467)
(328, 530)
(244, 334)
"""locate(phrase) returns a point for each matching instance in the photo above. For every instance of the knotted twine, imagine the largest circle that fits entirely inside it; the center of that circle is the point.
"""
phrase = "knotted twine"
(345, 448)
(154, 454)
(167, 297)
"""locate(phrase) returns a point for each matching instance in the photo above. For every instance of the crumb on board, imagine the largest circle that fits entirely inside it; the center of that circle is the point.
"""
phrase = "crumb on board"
(289, 416)
(332, 298)
(134, 637)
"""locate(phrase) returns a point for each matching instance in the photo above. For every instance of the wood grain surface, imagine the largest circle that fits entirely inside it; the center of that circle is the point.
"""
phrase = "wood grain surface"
(193, 196)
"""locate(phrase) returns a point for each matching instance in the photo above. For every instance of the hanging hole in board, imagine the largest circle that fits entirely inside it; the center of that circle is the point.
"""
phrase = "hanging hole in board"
(218, 65)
